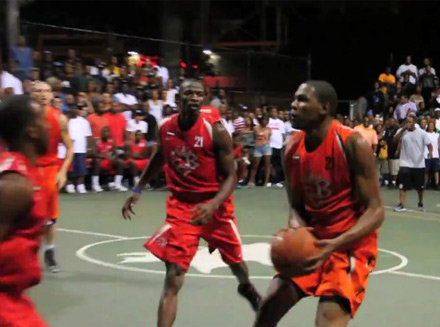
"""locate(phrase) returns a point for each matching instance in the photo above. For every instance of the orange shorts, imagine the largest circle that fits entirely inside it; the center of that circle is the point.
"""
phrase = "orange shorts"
(343, 274)
(50, 190)
(17, 310)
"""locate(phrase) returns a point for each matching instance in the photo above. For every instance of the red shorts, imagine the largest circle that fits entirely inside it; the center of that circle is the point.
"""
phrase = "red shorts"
(139, 163)
(17, 310)
(343, 274)
(106, 164)
(177, 240)
(50, 190)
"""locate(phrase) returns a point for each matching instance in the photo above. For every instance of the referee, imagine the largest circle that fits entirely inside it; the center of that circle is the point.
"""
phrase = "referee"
(413, 142)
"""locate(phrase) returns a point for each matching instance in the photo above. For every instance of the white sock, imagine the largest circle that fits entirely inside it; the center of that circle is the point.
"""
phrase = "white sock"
(95, 180)
(49, 247)
(136, 181)
(118, 180)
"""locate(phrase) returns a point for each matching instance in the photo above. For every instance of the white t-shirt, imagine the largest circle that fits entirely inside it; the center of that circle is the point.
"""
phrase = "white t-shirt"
(10, 81)
(412, 153)
(422, 71)
(62, 151)
(79, 130)
(163, 72)
(434, 141)
(171, 97)
(228, 125)
(437, 123)
(126, 99)
(156, 110)
(403, 68)
(278, 130)
(132, 126)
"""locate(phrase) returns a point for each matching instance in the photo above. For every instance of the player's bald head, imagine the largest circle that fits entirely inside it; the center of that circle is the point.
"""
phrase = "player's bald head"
(188, 82)
(325, 94)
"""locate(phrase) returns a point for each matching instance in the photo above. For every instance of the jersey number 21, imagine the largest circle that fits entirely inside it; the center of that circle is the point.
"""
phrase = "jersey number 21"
(198, 142)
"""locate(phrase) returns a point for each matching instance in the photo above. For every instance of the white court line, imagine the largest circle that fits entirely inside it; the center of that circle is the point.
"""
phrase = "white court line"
(74, 231)
(414, 275)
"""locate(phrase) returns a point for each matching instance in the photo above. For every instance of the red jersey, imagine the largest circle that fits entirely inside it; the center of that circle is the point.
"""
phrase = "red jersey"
(117, 125)
(104, 147)
(19, 265)
(53, 119)
(138, 148)
(190, 160)
(322, 179)
(211, 111)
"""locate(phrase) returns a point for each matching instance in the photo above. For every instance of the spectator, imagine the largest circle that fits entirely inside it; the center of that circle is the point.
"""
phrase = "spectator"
(388, 80)
(156, 80)
(429, 83)
(110, 88)
(125, 98)
(432, 164)
(368, 134)
(238, 121)
(171, 94)
(390, 174)
(80, 133)
(437, 119)
(137, 124)
(407, 73)
(72, 79)
(403, 108)
(92, 90)
(226, 118)
(99, 75)
(412, 161)
(360, 108)
(35, 75)
(395, 96)
(417, 98)
(47, 66)
(137, 155)
(376, 99)
(104, 158)
(151, 125)
(72, 58)
(382, 155)
(9, 81)
(22, 54)
(162, 72)
(262, 134)
(426, 64)
(117, 124)
(276, 143)
(156, 105)
(112, 70)
(241, 162)
(58, 103)
(218, 99)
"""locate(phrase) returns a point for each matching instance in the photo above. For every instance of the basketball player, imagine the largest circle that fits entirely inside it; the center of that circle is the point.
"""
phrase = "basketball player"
(197, 153)
(54, 176)
(332, 188)
(22, 211)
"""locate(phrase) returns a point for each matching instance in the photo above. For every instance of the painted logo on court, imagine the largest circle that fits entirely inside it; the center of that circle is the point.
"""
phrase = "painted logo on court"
(205, 262)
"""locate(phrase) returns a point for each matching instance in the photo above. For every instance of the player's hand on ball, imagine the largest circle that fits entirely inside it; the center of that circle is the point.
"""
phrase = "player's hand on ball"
(202, 213)
(327, 248)
(127, 209)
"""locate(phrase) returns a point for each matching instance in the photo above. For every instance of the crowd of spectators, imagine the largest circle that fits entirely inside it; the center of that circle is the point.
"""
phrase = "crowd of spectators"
(114, 109)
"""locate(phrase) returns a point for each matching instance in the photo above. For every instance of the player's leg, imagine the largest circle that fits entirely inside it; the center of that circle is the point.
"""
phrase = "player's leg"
(267, 159)
(405, 184)
(81, 171)
(419, 184)
(333, 311)
(255, 164)
(280, 298)
(175, 275)
(96, 170)
(118, 165)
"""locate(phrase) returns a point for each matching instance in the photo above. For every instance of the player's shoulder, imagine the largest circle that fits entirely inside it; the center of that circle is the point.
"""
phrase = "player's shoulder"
(342, 132)
(294, 141)
(167, 122)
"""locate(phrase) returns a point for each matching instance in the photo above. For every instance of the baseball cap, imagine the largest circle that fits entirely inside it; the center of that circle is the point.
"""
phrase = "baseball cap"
(139, 112)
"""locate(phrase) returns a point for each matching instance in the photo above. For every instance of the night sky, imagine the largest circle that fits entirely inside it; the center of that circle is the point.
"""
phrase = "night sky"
(350, 41)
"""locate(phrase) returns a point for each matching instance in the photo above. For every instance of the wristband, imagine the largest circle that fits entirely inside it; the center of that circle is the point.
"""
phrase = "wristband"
(137, 190)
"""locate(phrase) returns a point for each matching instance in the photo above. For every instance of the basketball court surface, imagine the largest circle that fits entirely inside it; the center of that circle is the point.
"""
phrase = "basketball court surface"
(109, 279)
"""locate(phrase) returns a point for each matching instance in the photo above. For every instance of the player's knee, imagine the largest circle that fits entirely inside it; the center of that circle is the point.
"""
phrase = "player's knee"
(174, 280)
(332, 316)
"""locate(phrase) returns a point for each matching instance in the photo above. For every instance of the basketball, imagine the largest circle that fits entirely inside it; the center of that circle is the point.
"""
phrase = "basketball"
(290, 248)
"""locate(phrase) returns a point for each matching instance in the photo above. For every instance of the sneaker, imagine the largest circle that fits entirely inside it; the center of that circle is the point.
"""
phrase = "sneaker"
(251, 184)
(97, 188)
(420, 207)
(70, 189)
(269, 185)
(400, 208)
(49, 260)
(246, 161)
(121, 188)
(249, 292)
(81, 189)
(279, 185)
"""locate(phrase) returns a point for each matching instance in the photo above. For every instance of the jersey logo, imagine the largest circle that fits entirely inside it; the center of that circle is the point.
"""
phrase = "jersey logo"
(184, 160)
(198, 142)
(316, 190)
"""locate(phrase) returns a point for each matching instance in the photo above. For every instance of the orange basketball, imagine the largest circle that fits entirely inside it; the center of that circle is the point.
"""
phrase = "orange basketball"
(290, 248)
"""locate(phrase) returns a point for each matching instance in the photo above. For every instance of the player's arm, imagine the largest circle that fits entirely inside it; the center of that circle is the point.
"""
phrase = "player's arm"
(15, 201)
(67, 141)
(398, 137)
(226, 169)
(363, 167)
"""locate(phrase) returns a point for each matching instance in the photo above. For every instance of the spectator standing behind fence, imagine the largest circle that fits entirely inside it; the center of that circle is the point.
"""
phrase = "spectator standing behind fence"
(432, 164)
(262, 134)
(80, 133)
(403, 108)
(412, 161)
(276, 143)
(22, 54)
(407, 73)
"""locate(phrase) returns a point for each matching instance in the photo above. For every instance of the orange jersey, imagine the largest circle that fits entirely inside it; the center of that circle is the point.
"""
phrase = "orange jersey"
(53, 119)
(322, 179)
